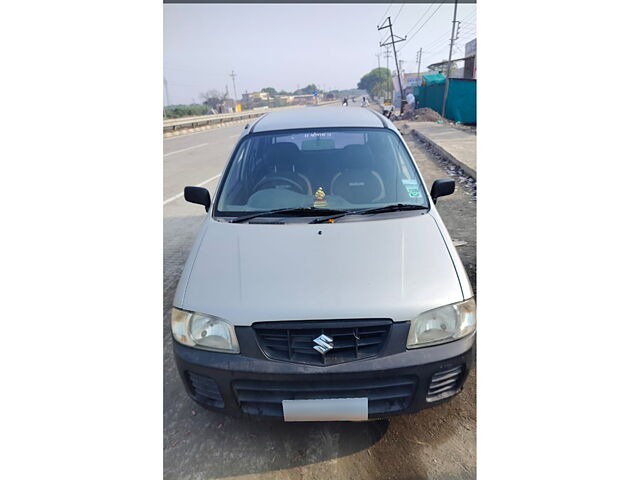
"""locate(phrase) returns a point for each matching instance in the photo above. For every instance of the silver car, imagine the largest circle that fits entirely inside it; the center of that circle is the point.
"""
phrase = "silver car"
(323, 284)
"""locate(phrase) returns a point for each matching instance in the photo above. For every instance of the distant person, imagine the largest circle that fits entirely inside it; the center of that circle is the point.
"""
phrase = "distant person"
(345, 102)
(411, 102)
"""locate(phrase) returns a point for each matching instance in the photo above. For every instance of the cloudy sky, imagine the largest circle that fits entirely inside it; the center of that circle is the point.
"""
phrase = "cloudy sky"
(288, 46)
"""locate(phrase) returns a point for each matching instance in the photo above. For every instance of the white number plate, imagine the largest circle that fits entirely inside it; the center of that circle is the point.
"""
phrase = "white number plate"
(326, 410)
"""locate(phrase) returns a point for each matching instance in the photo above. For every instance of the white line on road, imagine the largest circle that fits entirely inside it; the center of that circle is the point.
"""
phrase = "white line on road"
(185, 149)
(175, 197)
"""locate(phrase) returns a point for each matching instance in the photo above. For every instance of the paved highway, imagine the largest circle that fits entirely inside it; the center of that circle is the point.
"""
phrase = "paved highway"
(199, 444)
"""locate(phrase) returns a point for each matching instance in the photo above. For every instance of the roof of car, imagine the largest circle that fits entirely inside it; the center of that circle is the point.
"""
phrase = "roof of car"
(319, 117)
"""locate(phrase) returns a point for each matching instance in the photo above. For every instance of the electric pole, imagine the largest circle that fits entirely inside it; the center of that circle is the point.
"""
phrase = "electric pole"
(166, 90)
(233, 78)
(387, 55)
(393, 40)
(446, 80)
(378, 71)
(419, 61)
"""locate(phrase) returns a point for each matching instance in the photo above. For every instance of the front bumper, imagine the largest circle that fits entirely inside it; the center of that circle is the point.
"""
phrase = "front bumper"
(250, 383)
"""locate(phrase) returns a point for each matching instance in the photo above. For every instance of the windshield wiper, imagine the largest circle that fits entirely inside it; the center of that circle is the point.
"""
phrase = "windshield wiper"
(396, 207)
(288, 211)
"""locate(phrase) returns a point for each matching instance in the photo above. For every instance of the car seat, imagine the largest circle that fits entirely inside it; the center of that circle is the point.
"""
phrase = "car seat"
(281, 171)
(358, 183)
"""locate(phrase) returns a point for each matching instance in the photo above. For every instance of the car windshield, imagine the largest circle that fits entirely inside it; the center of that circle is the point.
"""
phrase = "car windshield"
(333, 169)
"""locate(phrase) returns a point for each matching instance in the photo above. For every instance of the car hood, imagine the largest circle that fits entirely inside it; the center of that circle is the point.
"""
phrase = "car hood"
(388, 268)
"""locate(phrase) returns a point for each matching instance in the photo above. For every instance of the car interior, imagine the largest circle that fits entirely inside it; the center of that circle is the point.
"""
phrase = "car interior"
(276, 170)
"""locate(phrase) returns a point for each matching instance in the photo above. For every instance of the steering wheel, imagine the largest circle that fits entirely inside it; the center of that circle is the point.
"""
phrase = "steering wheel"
(269, 182)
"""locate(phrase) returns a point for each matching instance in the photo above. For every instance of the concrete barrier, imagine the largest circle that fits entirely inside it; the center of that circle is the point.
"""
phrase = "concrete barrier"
(204, 120)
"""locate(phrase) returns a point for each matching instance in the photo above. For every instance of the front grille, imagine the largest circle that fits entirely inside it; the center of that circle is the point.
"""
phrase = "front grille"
(445, 384)
(294, 341)
(386, 395)
(205, 390)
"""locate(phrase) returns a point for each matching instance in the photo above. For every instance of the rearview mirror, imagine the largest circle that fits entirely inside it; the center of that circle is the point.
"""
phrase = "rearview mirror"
(198, 195)
(442, 187)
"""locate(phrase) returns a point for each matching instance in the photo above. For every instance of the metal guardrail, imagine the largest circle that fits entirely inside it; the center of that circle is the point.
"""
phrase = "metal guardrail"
(199, 121)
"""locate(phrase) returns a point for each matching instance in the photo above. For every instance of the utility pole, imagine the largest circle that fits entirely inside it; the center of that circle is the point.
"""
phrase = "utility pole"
(393, 40)
(387, 55)
(446, 80)
(166, 90)
(419, 61)
(233, 78)
(378, 72)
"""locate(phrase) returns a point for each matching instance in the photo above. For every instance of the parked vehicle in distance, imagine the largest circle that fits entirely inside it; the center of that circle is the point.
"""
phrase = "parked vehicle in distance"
(323, 284)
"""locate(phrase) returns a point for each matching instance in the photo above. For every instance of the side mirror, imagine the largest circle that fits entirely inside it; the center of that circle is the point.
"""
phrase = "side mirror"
(443, 187)
(198, 195)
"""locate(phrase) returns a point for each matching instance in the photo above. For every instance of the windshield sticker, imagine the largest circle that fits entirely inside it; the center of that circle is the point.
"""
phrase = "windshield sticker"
(413, 191)
(320, 201)
(409, 181)
(318, 134)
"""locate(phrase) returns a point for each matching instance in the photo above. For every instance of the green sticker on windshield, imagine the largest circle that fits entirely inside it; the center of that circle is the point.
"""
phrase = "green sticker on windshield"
(411, 186)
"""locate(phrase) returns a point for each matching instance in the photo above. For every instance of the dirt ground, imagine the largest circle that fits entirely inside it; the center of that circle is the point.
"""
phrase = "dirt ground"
(435, 444)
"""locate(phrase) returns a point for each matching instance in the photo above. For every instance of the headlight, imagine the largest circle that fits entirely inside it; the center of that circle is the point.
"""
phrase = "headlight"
(204, 331)
(443, 324)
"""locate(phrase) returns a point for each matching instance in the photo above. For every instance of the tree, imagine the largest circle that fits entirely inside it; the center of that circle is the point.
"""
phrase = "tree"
(270, 90)
(376, 82)
(212, 98)
(443, 66)
(307, 90)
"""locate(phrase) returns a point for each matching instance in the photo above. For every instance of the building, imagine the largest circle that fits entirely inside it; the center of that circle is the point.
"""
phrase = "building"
(470, 59)
(255, 97)
(466, 71)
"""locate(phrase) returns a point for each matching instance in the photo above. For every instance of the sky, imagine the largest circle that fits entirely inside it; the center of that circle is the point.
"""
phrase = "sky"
(288, 46)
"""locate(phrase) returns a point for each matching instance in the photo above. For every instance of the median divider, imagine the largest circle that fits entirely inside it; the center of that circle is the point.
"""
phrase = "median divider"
(183, 125)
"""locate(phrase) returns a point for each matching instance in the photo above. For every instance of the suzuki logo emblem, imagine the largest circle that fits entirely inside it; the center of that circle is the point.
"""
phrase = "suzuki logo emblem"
(324, 343)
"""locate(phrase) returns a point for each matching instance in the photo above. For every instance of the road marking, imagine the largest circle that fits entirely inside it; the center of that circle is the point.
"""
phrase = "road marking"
(185, 149)
(175, 197)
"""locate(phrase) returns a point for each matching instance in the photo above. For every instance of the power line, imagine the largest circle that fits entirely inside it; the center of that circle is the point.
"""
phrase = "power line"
(440, 39)
(384, 14)
(423, 15)
(426, 21)
(398, 14)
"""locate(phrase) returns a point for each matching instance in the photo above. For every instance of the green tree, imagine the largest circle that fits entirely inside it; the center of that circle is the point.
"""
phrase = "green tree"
(270, 90)
(443, 66)
(212, 98)
(307, 90)
(376, 82)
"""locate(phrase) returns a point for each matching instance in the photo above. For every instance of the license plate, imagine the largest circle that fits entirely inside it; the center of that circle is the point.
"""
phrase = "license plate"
(326, 410)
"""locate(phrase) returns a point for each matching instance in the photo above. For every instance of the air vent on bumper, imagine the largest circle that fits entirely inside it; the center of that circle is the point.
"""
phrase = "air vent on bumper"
(445, 384)
(205, 390)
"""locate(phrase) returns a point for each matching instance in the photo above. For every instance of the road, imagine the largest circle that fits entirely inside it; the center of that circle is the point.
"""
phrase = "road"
(438, 443)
